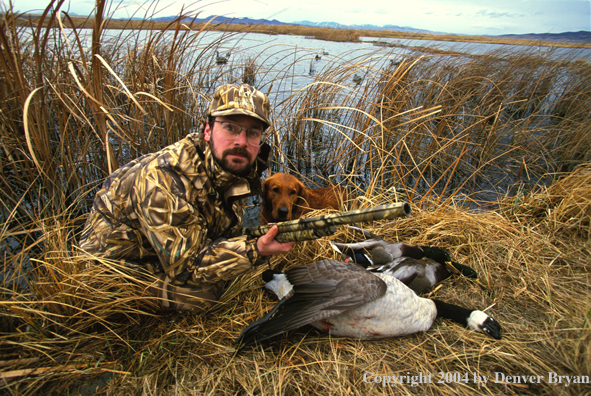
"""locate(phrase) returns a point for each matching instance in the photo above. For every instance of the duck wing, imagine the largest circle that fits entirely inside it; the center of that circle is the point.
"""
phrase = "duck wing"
(401, 268)
(368, 252)
(419, 275)
(377, 251)
(321, 289)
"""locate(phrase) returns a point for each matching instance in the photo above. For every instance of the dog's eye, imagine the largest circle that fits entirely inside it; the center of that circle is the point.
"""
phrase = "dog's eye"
(292, 192)
(276, 190)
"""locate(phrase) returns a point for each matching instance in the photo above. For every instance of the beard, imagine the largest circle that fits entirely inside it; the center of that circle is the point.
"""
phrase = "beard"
(238, 169)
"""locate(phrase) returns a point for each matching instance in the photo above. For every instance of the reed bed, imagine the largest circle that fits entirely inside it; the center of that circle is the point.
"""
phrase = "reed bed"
(492, 151)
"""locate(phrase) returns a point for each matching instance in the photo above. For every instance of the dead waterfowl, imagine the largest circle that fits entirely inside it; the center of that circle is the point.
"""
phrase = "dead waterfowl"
(418, 267)
(345, 299)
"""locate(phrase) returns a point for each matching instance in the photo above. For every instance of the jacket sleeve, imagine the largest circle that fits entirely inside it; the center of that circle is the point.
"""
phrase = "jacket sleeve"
(177, 232)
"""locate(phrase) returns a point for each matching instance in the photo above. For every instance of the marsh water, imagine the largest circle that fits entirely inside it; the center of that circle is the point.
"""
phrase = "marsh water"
(291, 62)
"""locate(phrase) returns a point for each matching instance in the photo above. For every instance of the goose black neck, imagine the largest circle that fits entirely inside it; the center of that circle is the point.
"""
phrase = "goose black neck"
(453, 312)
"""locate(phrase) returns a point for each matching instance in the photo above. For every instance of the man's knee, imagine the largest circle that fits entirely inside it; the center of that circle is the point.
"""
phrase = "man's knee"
(194, 298)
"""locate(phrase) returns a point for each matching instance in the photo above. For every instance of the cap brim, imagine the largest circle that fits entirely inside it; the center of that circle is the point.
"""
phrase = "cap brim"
(229, 112)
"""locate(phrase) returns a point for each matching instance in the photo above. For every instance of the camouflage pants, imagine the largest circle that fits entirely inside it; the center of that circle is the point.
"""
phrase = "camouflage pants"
(194, 298)
(155, 283)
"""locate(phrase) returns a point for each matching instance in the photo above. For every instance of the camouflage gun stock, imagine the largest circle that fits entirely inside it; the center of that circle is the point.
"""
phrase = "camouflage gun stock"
(317, 227)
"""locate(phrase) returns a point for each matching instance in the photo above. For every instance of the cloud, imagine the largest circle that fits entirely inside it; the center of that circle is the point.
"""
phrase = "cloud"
(493, 14)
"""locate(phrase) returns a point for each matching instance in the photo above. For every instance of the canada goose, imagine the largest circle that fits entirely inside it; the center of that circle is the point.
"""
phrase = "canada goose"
(344, 299)
(418, 267)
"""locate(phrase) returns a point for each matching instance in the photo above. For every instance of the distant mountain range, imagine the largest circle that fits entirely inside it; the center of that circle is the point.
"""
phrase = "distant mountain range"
(572, 37)
(250, 21)
(335, 25)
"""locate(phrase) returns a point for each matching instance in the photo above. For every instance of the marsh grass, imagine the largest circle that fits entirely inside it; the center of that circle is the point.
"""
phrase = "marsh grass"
(433, 129)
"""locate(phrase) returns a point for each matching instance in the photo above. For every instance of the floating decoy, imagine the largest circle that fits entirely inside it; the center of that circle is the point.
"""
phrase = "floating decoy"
(344, 299)
(357, 79)
(324, 52)
(318, 57)
(418, 267)
(220, 59)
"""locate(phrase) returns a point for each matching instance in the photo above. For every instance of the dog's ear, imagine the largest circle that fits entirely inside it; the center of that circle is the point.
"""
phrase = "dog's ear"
(302, 196)
(265, 190)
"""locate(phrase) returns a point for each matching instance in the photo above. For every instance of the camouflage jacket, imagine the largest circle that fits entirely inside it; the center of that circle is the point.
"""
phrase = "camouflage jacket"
(172, 211)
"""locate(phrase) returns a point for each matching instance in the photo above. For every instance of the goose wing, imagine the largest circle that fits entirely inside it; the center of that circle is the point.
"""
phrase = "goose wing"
(321, 289)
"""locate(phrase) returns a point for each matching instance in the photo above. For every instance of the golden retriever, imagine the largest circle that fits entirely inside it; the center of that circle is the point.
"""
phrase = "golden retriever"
(286, 198)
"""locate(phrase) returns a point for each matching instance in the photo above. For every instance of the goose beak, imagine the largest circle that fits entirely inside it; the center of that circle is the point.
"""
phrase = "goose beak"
(492, 328)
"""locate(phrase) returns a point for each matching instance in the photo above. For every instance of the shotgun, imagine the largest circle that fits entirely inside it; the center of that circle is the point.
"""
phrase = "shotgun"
(318, 227)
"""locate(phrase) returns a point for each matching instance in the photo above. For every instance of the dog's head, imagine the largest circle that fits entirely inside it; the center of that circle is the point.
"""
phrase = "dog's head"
(283, 197)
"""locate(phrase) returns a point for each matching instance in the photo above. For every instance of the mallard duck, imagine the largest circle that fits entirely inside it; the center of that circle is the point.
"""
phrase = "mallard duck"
(345, 299)
(419, 267)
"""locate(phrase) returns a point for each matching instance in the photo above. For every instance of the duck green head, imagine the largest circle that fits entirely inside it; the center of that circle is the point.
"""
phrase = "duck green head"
(443, 257)
(461, 269)
(437, 254)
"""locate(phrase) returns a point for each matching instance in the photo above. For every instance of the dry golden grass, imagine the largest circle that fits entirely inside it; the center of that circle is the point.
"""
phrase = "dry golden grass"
(563, 208)
(84, 320)
(433, 130)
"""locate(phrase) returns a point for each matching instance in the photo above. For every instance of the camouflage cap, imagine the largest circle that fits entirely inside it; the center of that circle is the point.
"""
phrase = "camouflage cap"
(231, 99)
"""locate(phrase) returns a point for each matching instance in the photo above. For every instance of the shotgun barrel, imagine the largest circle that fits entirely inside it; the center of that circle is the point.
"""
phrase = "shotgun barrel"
(317, 227)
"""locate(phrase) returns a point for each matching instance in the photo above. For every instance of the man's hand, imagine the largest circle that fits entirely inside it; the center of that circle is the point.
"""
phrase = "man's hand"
(268, 246)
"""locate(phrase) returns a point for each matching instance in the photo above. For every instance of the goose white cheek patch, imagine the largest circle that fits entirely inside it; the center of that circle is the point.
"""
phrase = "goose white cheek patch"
(279, 285)
(476, 320)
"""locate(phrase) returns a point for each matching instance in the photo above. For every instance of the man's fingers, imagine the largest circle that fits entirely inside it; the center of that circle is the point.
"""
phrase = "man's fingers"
(271, 234)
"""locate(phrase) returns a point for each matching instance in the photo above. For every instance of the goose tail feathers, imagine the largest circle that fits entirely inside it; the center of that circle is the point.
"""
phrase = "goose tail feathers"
(256, 331)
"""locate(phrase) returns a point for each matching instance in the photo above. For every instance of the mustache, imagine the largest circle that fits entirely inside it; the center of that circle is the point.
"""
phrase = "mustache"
(238, 151)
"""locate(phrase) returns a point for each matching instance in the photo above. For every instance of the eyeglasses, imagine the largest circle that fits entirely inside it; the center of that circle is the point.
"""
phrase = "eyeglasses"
(231, 131)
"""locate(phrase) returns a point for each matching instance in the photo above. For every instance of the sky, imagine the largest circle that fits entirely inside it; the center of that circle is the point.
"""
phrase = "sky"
(475, 17)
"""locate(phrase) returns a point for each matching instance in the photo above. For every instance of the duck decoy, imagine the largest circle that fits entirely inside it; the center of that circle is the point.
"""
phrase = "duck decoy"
(220, 59)
(344, 299)
(318, 57)
(418, 267)
(357, 79)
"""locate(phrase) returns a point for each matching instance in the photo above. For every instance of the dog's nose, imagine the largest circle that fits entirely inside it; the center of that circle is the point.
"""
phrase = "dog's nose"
(282, 212)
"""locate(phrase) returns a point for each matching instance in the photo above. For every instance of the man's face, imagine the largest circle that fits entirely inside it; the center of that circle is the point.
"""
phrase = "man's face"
(235, 155)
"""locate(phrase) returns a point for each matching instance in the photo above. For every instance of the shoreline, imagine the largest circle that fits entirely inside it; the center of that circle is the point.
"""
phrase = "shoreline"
(324, 33)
